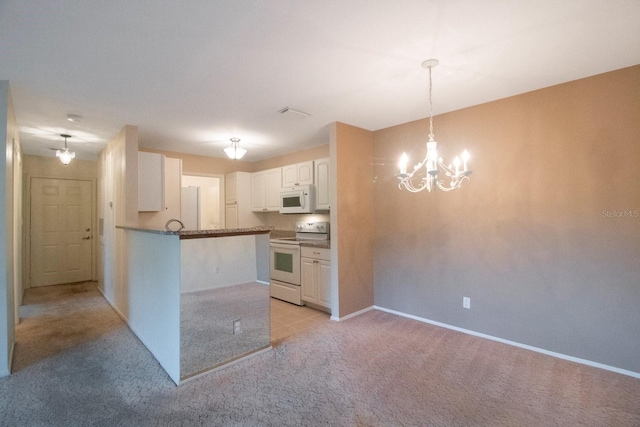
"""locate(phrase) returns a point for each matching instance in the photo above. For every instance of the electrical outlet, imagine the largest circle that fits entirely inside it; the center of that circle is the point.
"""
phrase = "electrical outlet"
(466, 302)
(237, 327)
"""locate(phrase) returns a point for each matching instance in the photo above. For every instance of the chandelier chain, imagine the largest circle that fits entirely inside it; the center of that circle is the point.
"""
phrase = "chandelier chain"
(430, 108)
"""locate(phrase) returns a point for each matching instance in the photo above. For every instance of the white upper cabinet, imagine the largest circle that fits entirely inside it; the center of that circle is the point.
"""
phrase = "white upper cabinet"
(274, 187)
(265, 190)
(322, 184)
(298, 174)
(150, 182)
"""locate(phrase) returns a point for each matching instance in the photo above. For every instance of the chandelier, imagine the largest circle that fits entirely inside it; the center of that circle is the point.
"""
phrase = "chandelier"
(234, 151)
(457, 173)
(65, 155)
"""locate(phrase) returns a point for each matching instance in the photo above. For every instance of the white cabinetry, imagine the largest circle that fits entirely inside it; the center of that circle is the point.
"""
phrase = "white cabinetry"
(238, 212)
(230, 188)
(298, 174)
(171, 206)
(322, 184)
(150, 182)
(265, 190)
(231, 216)
(315, 271)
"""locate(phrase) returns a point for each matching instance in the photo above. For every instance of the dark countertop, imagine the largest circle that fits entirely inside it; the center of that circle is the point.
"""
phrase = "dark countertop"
(326, 244)
(201, 234)
(280, 234)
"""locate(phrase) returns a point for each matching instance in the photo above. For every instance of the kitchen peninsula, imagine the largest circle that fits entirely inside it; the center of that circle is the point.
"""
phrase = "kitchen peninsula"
(197, 299)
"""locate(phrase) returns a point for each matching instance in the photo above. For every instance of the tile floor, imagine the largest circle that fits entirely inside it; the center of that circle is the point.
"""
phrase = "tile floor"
(288, 319)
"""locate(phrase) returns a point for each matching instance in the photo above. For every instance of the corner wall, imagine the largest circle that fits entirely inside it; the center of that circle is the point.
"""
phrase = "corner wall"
(352, 233)
(117, 205)
(546, 236)
(10, 227)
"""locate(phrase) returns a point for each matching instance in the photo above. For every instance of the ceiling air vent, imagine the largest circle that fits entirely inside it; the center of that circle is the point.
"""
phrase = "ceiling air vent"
(290, 112)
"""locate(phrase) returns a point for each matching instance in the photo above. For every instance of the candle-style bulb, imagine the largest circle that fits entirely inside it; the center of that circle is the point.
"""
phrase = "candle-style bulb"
(404, 159)
(465, 159)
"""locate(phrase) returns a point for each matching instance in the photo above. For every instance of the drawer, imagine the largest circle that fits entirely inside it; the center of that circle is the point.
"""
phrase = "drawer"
(317, 253)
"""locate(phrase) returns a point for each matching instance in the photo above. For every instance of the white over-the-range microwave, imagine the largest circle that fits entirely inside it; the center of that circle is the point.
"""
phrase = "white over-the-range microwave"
(298, 199)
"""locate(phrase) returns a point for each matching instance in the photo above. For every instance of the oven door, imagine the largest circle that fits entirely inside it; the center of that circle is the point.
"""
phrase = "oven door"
(285, 263)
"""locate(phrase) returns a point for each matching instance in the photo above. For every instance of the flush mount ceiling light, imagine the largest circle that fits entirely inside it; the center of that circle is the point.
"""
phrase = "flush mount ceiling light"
(234, 151)
(432, 163)
(65, 155)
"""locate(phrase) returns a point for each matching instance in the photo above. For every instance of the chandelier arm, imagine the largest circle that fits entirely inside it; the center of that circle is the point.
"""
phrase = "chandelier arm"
(453, 185)
(408, 185)
(448, 171)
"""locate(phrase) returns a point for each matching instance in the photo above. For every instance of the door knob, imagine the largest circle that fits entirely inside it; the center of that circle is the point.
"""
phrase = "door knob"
(86, 238)
(87, 229)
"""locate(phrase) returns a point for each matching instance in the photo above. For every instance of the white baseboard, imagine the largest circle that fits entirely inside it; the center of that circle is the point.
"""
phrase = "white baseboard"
(228, 285)
(349, 316)
(513, 343)
(226, 364)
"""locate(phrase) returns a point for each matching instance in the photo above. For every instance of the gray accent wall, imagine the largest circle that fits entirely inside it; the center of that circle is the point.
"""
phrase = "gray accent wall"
(545, 239)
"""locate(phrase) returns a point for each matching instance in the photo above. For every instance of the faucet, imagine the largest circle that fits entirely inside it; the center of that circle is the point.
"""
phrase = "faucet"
(166, 226)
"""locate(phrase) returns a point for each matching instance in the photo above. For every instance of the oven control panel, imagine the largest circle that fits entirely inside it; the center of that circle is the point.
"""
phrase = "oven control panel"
(312, 227)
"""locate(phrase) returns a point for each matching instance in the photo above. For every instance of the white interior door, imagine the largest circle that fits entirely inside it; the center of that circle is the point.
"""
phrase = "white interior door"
(61, 249)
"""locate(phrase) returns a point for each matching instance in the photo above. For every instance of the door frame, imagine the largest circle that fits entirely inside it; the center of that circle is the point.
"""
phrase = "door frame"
(26, 197)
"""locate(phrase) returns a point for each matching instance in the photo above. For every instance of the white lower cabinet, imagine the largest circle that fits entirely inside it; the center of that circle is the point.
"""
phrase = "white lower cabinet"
(315, 271)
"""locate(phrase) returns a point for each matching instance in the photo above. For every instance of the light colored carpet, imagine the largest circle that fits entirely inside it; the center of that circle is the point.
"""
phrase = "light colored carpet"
(373, 370)
(206, 325)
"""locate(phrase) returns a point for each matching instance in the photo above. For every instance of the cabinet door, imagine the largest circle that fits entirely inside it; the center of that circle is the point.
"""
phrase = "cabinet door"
(273, 180)
(150, 182)
(305, 173)
(289, 175)
(172, 188)
(308, 280)
(322, 184)
(231, 216)
(323, 283)
(258, 192)
(231, 188)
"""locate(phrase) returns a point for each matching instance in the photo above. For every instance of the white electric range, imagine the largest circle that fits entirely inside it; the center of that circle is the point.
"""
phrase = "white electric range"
(285, 259)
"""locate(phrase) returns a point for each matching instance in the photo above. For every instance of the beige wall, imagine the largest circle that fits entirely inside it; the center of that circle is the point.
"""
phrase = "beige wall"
(50, 167)
(529, 239)
(201, 165)
(313, 153)
(205, 166)
(352, 218)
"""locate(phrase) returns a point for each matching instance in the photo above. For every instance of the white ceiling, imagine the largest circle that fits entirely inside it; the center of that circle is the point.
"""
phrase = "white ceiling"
(192, 74)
